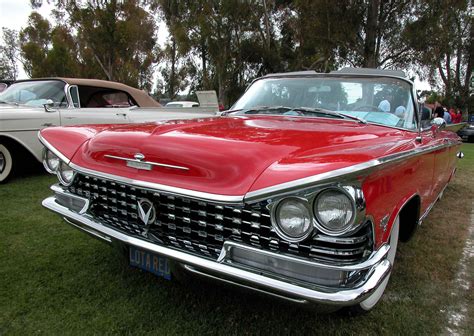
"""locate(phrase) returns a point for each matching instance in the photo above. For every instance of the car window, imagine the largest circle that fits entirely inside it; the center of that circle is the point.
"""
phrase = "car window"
(74, 92)
(91, 96)
(35, 93)
(380, 100)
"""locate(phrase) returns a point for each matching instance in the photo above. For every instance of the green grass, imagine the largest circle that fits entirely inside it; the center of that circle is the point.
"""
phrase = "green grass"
(55, 280)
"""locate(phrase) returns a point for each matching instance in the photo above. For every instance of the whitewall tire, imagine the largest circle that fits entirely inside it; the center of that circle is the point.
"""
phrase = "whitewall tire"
(373, 299)
(6, 163)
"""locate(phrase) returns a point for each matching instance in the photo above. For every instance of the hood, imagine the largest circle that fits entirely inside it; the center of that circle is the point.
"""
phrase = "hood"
(228, 155)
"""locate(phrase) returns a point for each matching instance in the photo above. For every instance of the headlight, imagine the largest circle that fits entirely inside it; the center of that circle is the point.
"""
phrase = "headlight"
(334, 211)
(292, 219)
(50, 161)
(65, 174)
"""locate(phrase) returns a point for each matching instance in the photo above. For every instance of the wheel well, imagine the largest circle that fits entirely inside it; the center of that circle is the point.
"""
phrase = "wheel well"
(18, 151)
(409, 217)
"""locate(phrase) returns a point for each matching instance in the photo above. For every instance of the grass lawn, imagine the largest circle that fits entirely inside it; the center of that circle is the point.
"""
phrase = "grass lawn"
(55, 280)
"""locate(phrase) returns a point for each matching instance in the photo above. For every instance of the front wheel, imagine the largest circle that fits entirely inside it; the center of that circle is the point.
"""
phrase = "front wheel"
(6, 163)
(373, 299)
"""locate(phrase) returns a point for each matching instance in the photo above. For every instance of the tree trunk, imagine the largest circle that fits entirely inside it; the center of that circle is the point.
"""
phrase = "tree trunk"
(171, 87)
(370, 57)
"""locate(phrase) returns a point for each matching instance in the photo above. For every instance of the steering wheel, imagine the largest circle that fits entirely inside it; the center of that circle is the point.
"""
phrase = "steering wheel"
(367, 108)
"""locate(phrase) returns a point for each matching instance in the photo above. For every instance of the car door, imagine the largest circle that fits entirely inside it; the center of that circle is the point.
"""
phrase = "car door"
(442, 161)
(95, 105)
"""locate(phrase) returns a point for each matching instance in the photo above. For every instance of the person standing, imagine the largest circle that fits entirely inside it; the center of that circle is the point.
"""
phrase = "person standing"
(446, 116)
(452, 113)
(457, 116)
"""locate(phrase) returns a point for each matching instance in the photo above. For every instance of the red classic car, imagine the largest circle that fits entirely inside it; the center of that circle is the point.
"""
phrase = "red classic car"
(302, 190)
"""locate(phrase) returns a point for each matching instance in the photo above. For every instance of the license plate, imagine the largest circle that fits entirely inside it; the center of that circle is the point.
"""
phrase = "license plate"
(150, 262)
(464, 137)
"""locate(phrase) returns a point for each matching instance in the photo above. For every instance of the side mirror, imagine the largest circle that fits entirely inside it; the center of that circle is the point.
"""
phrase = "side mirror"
(437, 124)
(49, 105)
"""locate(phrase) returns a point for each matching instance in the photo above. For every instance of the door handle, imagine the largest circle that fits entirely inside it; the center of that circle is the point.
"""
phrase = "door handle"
(121, 115)
(48, 124)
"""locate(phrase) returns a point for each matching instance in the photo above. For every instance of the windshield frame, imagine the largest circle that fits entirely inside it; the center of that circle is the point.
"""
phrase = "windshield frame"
(65, 89)
(311, 74)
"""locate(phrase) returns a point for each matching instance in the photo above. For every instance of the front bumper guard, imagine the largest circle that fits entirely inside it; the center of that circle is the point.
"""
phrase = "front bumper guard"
(377, 265)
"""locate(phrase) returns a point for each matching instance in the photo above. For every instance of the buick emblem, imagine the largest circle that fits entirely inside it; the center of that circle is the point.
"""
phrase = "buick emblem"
(139, 156)
(146, 211)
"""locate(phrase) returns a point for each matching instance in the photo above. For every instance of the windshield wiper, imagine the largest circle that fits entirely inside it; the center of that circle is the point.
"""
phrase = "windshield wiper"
(331, 112)
(304, 110)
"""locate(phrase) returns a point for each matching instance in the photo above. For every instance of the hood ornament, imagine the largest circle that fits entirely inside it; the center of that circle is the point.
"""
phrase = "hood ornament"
(139, 162)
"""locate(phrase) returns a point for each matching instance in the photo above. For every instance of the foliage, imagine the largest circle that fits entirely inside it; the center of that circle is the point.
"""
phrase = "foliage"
(9, 54)
(112, 40)
(225, 44)
(447, 27)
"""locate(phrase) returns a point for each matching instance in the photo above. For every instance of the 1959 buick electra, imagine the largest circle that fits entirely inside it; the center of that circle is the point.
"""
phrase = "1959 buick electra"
(302, 190)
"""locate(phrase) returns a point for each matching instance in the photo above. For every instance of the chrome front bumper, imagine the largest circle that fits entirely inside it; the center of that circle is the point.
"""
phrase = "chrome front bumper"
(377, 267)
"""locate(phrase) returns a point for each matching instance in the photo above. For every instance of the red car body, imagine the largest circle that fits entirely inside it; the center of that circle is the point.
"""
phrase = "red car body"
(247, 159)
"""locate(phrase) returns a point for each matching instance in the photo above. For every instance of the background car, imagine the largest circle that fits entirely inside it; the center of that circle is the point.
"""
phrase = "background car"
(28, 106)
(467, 133)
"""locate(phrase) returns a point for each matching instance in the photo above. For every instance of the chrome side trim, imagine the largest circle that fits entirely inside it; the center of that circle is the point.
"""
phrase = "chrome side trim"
(161, 187)
(52, 149)
(334, 296)
(430, 207)
(358, 169)
(146, 162)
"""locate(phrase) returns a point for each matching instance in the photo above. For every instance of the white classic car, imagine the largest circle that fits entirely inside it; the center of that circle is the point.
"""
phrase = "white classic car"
(28, 106)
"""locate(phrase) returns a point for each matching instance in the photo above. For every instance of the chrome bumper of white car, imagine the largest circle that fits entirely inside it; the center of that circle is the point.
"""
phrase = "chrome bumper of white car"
(247, 266)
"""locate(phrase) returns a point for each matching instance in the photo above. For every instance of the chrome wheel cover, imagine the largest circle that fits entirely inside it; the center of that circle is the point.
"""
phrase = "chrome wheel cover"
(2, 162)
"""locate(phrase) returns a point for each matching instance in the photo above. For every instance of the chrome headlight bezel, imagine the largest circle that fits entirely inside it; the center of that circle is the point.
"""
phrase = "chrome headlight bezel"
(50, 169)
(321, 226)
(63, 167)
(274, 216)
(309, 196)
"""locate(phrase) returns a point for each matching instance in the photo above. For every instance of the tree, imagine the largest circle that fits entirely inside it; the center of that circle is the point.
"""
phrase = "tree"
(447, 27)
(34, 43)
(9, 54)
(112, 40)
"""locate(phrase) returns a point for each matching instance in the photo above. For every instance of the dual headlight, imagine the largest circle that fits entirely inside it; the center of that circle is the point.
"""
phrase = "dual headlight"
(332, 211)
(55, 165)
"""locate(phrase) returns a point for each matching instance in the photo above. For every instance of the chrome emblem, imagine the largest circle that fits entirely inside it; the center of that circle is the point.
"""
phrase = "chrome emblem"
(139, 156)
(146, 211)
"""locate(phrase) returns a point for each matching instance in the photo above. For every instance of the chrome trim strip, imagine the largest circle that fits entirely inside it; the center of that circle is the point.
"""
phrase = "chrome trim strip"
(161, 187)
(430, 207)
(52, 149)
(58, 189)
(373, 260)
(341, 297)
(358, 169)
(146, 162)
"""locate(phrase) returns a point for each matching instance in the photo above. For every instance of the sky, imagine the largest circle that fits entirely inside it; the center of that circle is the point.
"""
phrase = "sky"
(14, 15)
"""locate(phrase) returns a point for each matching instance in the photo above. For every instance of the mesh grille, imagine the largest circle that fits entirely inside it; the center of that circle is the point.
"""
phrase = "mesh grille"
(201, 227)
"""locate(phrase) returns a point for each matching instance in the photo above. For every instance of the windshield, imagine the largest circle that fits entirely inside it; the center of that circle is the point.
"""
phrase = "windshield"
(35, 93)
(380, 100)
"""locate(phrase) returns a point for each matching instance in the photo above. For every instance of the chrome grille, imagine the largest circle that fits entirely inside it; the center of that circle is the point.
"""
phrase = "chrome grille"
(201, 227)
